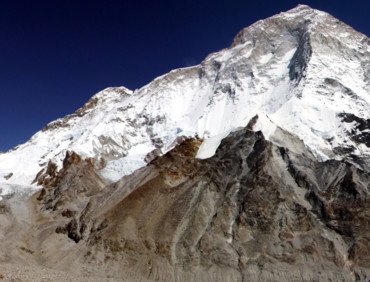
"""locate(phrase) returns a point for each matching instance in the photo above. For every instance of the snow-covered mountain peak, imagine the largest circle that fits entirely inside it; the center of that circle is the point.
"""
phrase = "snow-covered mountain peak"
(96, 104)
(302, 71)
(295, 22)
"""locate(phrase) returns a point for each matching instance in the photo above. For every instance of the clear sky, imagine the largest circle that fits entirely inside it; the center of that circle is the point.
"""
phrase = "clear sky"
(56, 54)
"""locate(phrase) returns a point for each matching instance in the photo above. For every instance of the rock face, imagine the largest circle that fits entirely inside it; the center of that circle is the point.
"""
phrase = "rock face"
(252, 166)
(254, 211)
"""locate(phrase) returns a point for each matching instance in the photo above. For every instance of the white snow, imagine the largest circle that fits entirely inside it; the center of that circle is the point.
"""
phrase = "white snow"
(209, 146)
(265, 125)
(212, 99)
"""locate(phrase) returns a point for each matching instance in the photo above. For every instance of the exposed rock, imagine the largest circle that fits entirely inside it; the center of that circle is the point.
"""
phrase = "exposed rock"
(8, 176)
(253, 212)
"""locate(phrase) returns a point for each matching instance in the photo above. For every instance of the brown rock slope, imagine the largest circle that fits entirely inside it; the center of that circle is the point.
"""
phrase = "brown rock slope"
(253, 212)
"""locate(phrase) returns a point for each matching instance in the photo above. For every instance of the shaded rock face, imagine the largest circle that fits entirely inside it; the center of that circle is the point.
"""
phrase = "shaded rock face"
(360, 132)
(253, 212)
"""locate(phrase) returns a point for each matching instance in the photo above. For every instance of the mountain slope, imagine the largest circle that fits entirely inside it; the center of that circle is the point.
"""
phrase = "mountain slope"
(302, 70)
(252, 166)
(252, 212)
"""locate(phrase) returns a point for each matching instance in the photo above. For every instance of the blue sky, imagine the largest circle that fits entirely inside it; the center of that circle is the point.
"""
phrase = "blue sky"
(56, 54)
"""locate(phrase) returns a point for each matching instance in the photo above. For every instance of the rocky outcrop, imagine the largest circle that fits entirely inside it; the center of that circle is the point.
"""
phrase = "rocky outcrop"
(67, 192)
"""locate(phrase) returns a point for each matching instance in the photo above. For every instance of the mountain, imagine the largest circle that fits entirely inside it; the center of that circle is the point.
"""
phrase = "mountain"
(253, 165)
(302, 70)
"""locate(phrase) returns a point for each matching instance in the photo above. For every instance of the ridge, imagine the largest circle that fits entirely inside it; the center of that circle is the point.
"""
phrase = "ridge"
(300, 17)
(286, 69)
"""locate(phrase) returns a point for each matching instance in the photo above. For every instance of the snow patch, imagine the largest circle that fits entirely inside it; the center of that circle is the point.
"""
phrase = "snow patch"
(209, 146)
(265, 125)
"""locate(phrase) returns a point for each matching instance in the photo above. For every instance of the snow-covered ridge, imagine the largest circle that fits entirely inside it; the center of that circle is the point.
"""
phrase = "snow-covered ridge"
(300, 70)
